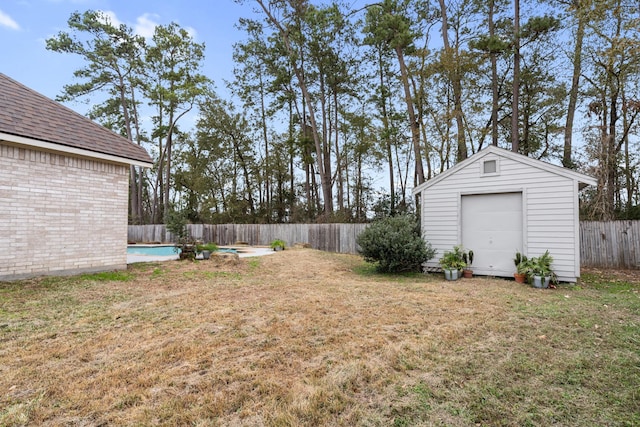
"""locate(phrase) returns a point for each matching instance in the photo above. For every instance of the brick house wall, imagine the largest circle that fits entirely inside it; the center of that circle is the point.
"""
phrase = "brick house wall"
(60, 214)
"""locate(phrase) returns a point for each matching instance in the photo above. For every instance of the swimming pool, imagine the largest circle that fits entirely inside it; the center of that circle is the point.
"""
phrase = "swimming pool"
(164, 250)
(155, 250)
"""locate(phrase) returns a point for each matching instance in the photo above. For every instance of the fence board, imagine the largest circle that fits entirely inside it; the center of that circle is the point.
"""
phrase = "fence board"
(327, 237)
(610, 244)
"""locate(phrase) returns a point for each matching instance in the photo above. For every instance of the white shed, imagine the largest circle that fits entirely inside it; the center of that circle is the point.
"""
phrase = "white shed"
(498, 202)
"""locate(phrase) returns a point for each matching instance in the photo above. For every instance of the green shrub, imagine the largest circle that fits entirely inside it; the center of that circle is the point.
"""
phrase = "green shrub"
(176, 223)
(395, 244)
(211, 247)
(278, 244)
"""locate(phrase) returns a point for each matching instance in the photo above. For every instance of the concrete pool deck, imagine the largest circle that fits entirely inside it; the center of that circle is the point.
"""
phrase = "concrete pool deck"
(243, 252)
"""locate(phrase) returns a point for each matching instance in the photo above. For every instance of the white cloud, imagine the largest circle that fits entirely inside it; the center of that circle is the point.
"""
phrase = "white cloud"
(145, 26)
(7, 21)
(192, 32)
(111, 18)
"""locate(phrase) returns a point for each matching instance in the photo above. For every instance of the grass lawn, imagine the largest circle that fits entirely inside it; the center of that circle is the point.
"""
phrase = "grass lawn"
(302, 338)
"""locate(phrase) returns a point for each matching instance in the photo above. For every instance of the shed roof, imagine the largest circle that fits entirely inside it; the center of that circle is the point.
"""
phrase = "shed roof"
(30, 118)
(582, 179)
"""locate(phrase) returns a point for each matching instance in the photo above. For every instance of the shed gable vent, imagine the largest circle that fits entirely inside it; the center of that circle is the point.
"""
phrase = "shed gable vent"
(489, 167)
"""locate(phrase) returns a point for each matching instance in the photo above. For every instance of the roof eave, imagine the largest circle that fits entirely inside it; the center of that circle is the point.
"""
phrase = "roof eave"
(65, 149)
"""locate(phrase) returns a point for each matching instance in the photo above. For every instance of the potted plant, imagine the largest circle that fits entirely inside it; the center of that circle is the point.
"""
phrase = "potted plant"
(206, 249)
(452, 263)
(522, 267)
(541, 272)
(278, 245)
(467, 257)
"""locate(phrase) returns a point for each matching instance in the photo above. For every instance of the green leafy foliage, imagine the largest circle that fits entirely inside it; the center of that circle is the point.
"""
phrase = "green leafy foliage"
(522, 263)
(278, 244)
(454, 259)
(395, 245)
(177, 224)
(211, 247)
(541, 266)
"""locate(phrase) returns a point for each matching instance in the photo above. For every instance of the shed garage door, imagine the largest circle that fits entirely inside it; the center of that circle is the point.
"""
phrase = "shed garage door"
(492, 228)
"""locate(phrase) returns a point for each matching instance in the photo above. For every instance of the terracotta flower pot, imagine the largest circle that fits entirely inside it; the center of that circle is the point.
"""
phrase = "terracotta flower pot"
(520, 278)
(467, 274)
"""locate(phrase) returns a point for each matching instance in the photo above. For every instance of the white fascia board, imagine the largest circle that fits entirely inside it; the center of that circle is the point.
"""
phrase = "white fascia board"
(555, 169)
(58, 148)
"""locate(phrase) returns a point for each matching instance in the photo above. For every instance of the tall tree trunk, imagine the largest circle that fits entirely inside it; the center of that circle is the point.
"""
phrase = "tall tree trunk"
(494, 77)
(140, 174)
(612, 164)
(265, 135)
(133, 188)
(167, 183)
(169, 147)
(292, 195)
(245, 173)
(387, 133)
(627, 164)
(415, 130)
(567, 160)
(158, 191)
(515, 134)
(339, 171)
(359, 199)
(325, 115)
(427, 148)
(452, 64)
(325, 176)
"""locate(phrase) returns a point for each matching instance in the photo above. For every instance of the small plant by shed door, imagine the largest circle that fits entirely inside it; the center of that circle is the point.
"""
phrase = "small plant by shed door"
(492, 228)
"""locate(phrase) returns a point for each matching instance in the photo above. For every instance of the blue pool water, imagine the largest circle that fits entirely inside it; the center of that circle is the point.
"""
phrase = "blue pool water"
(228, 250)
(163, 250)
(152, 250)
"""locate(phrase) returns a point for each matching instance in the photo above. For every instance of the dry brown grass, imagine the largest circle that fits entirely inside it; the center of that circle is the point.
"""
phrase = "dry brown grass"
(304, 337)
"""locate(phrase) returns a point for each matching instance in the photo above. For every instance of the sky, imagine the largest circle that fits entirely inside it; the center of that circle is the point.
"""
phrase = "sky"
(26, 24)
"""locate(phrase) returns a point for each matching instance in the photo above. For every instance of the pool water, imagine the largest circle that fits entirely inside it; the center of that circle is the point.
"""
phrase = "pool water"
(228, 250)
(164, 250)
(152, 250)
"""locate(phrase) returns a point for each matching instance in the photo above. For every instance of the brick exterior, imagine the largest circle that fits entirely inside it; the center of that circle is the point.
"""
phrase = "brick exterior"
(60, 214)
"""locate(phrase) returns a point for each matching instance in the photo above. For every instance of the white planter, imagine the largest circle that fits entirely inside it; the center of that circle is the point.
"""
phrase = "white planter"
(541, 282)
(451, 274)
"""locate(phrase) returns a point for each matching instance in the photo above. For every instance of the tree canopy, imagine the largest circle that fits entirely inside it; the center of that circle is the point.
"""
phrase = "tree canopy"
(335, 114)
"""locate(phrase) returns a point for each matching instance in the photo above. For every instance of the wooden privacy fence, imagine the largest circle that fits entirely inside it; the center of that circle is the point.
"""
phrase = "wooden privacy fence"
(327, 237)
(610, 244)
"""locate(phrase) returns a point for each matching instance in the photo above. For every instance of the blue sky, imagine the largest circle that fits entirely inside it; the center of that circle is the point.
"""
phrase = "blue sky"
(26, 24)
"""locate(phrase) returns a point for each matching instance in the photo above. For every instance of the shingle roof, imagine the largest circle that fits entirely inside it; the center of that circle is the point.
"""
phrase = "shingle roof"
(29, 114)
